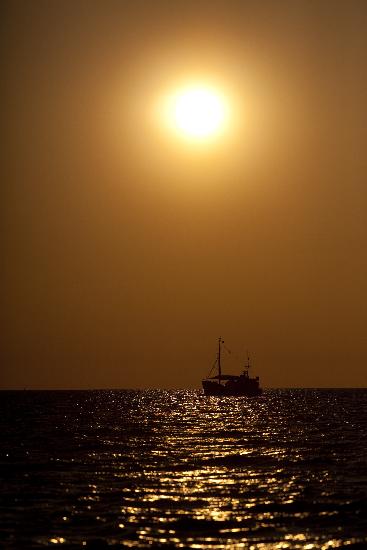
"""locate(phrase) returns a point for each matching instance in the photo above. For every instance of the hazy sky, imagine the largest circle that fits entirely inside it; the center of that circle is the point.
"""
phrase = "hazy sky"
(127, 250)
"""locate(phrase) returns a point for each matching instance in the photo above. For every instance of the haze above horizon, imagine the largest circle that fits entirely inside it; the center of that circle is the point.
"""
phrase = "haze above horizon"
(128, 247)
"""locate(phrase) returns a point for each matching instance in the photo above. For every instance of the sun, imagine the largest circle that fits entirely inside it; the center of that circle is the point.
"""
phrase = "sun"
(199, 112)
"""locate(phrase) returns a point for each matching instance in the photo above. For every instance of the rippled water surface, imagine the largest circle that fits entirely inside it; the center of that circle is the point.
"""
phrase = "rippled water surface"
(174, 468)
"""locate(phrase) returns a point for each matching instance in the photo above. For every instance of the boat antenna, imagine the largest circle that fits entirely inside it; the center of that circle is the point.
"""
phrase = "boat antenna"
(247, 365)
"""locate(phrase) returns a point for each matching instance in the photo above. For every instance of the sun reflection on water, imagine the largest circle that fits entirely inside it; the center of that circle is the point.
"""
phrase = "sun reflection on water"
(155, 468)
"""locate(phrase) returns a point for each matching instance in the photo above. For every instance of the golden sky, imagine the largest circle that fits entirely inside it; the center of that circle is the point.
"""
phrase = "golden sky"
(127, 248)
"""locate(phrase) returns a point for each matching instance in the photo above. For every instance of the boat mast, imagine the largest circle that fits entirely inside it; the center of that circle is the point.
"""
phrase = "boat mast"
(219, 365)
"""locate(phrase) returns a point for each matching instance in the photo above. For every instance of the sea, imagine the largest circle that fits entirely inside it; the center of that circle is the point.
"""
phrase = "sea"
(176, 469)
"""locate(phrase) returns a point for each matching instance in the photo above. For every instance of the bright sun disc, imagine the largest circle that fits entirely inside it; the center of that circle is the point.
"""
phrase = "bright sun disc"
(199, 112)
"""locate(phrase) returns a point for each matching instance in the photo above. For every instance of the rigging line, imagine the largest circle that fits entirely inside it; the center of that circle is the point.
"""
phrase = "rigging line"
(234, 355)
(225, 347)
(211, 370)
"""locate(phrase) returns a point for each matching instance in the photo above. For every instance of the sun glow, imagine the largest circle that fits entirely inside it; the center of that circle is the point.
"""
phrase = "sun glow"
(198, 112)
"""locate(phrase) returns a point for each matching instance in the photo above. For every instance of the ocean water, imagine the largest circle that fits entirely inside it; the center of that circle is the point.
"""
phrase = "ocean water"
(177, 469)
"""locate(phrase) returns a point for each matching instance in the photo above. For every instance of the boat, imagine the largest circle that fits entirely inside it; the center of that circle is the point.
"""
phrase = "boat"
(231, 384)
